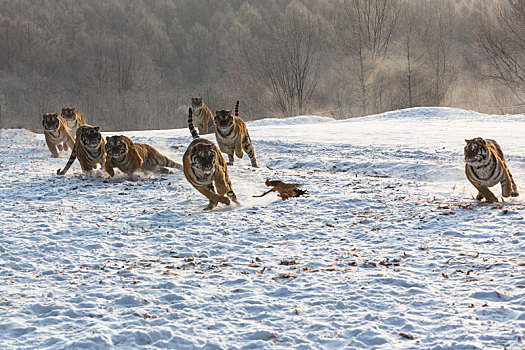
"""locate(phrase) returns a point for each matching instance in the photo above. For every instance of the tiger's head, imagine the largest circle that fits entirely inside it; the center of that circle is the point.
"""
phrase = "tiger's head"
(196, 103)
(50, 121)
(223, 119)
(117, 146)
(68, 113)
(203, 158)
(90, 136)
(475, 151)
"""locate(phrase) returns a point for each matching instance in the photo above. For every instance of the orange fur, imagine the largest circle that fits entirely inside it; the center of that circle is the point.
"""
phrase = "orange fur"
(284, 189)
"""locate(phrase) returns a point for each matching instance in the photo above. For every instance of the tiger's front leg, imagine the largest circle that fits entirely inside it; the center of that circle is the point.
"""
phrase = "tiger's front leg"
(109, 168)
(224, 187)
(485, 192)
(230, 158)
(52, 148)
(214, 198)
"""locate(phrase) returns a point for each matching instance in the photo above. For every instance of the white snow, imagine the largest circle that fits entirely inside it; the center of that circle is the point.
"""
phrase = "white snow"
(389, 245)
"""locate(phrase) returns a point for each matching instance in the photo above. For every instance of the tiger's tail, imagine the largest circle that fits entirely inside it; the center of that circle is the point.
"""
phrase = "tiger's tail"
(194, 132)
(237, 109)
(70, 161)
(171, 164)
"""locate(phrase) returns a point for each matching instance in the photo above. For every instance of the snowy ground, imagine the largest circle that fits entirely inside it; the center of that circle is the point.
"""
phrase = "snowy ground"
(389, 251)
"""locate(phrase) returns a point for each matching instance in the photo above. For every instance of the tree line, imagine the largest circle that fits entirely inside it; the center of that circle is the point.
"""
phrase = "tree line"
(135, 64)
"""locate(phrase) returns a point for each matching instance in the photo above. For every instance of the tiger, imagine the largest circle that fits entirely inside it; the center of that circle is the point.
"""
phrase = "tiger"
(130, 157)
(204, 166)
(56, 133)
(232, 135)
(485, 167)
(203, 116)
(89, 149)
(74, 119)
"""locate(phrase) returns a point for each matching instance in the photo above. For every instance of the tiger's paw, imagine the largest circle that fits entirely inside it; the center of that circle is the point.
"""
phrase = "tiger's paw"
(514, 194)
(479, 197)
(54, 155)
(233, 197)
(210, 206)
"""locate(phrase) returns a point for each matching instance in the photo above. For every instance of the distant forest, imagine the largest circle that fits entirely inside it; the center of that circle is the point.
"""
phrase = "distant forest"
(135, 64)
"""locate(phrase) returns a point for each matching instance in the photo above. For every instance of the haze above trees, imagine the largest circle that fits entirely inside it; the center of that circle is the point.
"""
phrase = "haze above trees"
(135, 64)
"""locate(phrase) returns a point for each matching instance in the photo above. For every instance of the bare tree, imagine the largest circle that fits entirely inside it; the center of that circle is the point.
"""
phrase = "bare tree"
(501, 38)
(288, 65)
(363, 31)
(438, 38)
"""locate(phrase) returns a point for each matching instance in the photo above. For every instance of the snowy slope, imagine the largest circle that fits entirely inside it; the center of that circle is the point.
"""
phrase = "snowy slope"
(389, 251)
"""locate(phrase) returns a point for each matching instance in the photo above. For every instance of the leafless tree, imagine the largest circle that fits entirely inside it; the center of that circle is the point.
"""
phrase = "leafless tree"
(288, 65)
(501, 37)
(363, 30)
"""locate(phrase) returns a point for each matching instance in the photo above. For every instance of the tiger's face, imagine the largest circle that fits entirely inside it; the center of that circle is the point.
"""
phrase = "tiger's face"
(68, 114)
(475, 150)
(223, 119)
(50, 121)
(90, 136)
(203, 158)
(196, 102)
(116, 147)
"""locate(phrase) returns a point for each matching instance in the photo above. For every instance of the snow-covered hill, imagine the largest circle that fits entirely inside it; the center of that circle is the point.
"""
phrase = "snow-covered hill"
(389, 251)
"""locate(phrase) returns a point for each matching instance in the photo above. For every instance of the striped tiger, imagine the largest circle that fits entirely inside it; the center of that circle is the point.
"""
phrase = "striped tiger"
(74, 119)
(232, 135)
(485, 167)
(203, 166)
(203, 116)
(88, 149)
(130, 157)
(56, 134)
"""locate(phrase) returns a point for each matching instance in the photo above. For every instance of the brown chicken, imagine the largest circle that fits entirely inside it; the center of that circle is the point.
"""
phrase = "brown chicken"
(285, 190)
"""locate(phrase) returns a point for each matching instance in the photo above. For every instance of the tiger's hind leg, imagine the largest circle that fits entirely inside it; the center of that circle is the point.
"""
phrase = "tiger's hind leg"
(248, 148)
(508, 186)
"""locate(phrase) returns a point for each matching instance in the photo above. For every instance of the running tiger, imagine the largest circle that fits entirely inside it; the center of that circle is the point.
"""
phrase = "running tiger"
(130, 157)
(204, 166)
(203, 116)
(74, 119)
(56, 134)
(232, 135)
(88, 149)
(485, 167)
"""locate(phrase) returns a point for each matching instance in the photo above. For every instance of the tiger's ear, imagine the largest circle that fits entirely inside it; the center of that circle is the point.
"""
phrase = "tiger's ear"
(467, 141)
(97, 128)
(107, 138)
(228, 111)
